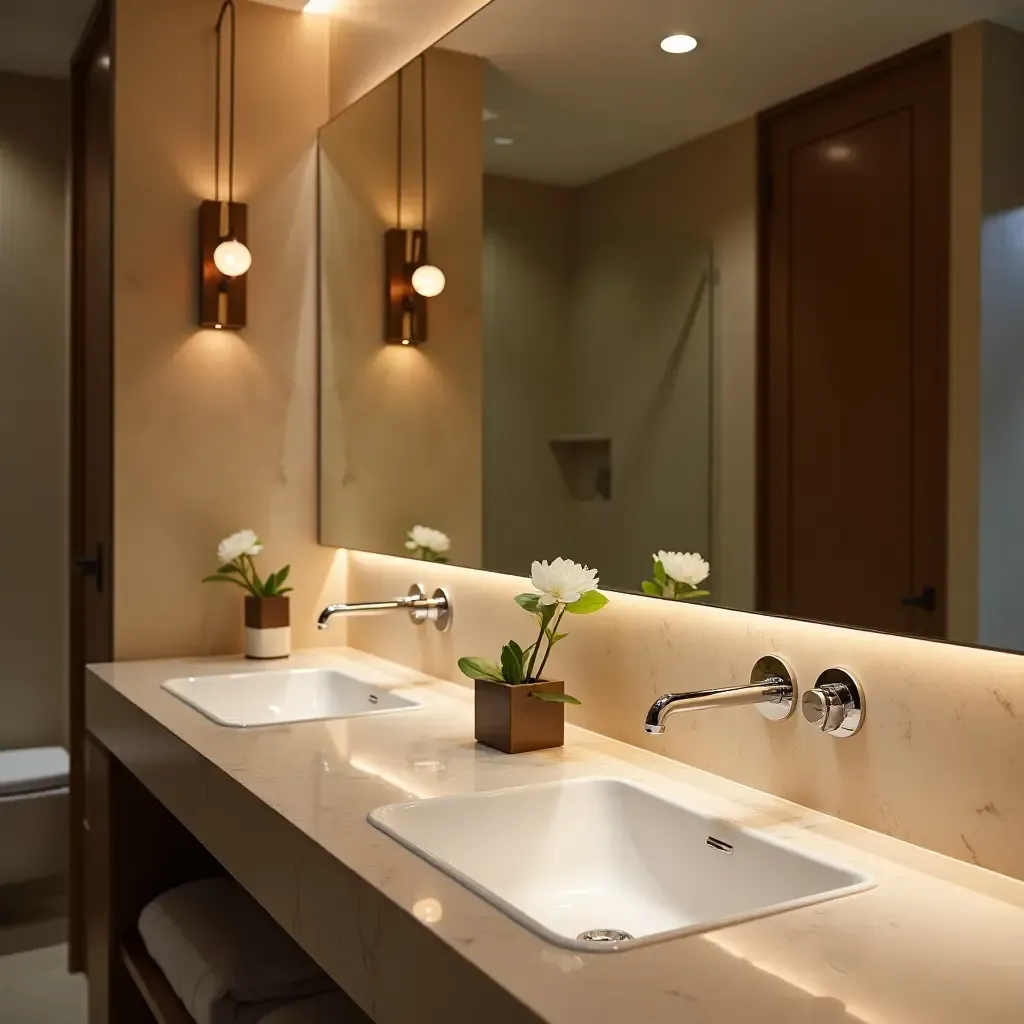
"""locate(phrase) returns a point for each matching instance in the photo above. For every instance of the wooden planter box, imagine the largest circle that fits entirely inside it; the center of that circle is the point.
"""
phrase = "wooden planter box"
(268, 633)
(510, 720)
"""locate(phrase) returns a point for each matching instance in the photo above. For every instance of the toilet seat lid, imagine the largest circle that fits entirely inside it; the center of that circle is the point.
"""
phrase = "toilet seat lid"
(33, 771)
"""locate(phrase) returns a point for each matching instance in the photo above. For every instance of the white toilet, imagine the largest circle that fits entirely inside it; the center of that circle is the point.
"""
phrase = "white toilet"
(33, 814)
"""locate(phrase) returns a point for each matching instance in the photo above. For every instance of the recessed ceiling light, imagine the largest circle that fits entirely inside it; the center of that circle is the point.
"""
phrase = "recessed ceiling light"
(504, 140)
(678, 44)
(490, 115)
(321, 6)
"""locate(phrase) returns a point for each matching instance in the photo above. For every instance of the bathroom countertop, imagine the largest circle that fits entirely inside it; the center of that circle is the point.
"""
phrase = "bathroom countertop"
(937, 941)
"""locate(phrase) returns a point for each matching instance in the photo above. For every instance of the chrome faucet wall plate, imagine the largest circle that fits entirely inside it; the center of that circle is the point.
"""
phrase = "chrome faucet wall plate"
(437, 610)
(836, 704)
(766, 671)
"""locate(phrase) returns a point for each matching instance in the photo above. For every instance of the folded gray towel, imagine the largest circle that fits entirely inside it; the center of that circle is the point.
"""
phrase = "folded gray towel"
(222, 953)
(332, 1008)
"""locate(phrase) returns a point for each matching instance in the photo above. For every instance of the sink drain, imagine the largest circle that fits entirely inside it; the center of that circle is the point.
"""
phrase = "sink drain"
(604, 935)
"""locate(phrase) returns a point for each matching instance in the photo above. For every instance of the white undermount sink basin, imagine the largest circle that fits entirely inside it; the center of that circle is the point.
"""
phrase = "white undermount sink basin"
(247, 699)
(601, 864)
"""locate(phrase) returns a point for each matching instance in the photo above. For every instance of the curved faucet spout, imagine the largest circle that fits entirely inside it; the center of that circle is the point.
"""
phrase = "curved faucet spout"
(436, 609)
(772, 695)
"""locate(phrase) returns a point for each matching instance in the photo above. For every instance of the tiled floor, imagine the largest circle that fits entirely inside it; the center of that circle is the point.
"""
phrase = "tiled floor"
(35, 987)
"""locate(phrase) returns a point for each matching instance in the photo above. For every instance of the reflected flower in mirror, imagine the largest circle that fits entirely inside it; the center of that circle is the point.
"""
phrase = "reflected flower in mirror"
(428, 544)
(678, 576)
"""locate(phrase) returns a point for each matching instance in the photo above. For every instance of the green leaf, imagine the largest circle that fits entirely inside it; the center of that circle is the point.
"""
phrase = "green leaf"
(224, 579)
(285, 590)
(480, 668)
(229, 568)
(652, 588)
(282, 575)
(555, 698)
(659, 573)
(692, 595)
(270, 585)
(531, 602)
(592, 601)
(512, 663)
(554, 638)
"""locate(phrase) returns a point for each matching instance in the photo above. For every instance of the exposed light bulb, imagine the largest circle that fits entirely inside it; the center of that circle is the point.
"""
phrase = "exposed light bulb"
(232, 258)
(678, 44)
(428, 281)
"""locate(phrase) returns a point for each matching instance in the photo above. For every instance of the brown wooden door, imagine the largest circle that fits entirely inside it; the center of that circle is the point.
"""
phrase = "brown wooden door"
(854, 343)
(91, 517)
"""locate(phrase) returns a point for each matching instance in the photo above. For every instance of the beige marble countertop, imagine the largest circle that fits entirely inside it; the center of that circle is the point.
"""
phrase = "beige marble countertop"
(936, 941)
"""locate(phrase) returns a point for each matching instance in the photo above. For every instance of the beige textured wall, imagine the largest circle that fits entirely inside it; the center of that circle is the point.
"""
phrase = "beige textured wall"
(214, 431)
(376, 37)
(33, 400)
(402, 426)
(938, 763)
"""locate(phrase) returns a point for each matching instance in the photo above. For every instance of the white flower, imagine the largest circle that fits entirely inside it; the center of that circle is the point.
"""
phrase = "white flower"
(430, 539)
(563, 581)
(245, 542)
(684, 568)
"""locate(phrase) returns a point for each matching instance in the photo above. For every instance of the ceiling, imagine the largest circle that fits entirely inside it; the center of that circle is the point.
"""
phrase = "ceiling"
(37, 37)
(584, 89)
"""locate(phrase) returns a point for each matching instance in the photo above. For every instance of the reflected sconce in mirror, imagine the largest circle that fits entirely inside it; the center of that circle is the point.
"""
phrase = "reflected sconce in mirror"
(224, 256)
(410, 277)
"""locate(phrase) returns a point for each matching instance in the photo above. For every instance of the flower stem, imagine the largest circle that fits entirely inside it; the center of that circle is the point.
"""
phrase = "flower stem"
(240, 562)
(536, 650)
(554, 630)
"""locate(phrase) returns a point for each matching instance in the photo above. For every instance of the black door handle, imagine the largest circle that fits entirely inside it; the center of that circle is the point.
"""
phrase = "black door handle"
(91, 566)
(927, 600)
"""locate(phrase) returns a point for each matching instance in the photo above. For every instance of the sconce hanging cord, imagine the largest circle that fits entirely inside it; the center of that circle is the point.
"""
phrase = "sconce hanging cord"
(398, 148)
(423, 131)
(227, 5)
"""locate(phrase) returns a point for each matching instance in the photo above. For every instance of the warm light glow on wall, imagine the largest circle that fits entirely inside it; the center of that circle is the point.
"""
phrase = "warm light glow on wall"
(322, 7)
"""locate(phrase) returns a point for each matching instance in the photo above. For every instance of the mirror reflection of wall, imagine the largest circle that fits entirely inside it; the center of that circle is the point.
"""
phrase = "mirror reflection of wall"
(672, 276)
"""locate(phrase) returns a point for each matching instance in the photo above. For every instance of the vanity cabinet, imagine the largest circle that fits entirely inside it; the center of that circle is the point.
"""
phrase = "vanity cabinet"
(134, 849)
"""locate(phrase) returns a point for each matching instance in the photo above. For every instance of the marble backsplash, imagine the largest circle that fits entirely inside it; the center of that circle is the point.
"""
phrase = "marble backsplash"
(939, 762)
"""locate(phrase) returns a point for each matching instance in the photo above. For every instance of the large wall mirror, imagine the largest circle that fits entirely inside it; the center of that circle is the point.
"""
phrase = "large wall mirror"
(760, 298)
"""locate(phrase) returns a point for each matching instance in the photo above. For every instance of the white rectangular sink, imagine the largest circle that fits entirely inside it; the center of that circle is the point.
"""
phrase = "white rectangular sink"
(605, 857)
(247, 699)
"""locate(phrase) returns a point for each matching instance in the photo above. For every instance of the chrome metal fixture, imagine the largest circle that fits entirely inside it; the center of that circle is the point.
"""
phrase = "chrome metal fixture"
(772, 691)
(836, 704)
(436, 608)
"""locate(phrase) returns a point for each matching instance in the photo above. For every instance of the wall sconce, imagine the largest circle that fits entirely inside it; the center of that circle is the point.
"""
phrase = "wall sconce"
(224, 257)
(410, 277)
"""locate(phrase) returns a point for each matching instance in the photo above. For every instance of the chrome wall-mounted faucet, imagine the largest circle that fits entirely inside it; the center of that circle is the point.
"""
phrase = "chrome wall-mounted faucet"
(436, 608)
(772, 691)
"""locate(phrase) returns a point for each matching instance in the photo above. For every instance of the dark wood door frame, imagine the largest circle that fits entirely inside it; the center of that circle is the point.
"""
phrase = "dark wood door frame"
(91, 436)
(940, 48)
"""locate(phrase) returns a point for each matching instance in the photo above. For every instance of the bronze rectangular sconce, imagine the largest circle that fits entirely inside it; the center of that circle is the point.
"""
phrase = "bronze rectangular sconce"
(222, 298)
(405, 311)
